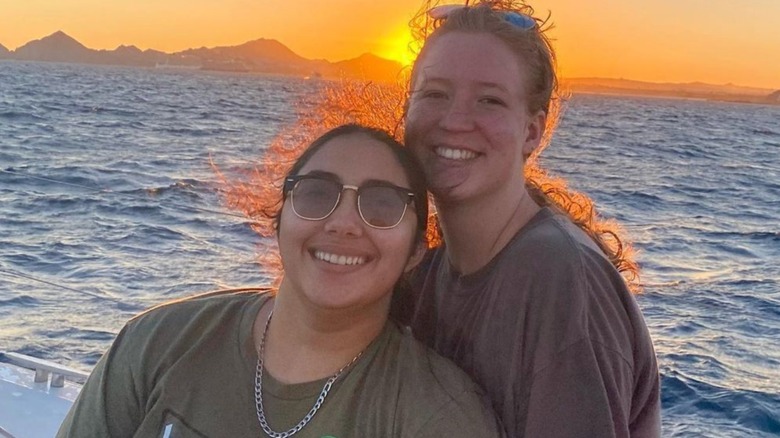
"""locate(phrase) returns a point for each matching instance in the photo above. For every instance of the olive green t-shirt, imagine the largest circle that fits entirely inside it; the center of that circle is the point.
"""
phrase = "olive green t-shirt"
(187, 369)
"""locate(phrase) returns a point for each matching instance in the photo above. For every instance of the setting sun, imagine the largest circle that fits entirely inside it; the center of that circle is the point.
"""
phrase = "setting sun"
(398, 46)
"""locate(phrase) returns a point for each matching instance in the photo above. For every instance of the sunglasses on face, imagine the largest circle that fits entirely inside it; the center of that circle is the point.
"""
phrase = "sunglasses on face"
(314, 198)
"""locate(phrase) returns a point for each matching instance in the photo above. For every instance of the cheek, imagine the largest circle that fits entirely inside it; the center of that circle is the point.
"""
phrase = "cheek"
(420, 113)
(415, 127)
(291, 230)
(284, 220)
(401, 245)
(504, 132)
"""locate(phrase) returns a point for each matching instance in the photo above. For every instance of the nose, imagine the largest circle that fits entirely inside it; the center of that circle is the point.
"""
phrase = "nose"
(345, 219)
(457, 116)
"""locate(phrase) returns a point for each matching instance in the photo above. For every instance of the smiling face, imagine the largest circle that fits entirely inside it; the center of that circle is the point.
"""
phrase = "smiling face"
(340, 262)
(467, 119)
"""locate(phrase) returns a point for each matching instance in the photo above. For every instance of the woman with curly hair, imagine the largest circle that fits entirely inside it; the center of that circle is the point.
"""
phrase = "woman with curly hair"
(525, 293)
(318, 357)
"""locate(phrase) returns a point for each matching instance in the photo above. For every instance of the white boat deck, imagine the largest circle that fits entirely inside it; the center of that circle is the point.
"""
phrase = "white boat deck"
(35, 395)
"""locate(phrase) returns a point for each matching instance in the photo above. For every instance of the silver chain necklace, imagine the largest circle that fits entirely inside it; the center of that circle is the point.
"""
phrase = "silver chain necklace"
(259, 391)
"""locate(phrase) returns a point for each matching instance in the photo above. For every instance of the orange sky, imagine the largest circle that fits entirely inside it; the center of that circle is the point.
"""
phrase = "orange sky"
(715, 41)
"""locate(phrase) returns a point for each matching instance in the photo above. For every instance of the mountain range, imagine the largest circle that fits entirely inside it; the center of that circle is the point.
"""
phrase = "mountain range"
(258, 56)
(271, 56)
(689, 90)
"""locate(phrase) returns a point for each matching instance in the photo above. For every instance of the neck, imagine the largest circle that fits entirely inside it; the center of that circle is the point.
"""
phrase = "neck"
(477, 230)
(304, 344)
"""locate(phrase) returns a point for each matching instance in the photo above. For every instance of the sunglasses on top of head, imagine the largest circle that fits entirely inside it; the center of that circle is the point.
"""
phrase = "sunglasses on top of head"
(381, 205)
(521, 21)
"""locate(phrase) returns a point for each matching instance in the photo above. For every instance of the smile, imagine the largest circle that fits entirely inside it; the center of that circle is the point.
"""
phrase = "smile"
(339, 259)
(455, 154)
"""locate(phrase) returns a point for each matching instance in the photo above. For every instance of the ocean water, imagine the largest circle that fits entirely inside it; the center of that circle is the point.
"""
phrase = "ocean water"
(109, 205)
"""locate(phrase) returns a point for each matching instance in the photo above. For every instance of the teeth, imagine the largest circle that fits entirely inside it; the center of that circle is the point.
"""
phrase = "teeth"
(339, 259)
(455, 154)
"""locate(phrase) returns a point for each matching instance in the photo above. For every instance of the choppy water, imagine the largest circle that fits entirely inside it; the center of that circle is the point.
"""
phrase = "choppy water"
(695, 183)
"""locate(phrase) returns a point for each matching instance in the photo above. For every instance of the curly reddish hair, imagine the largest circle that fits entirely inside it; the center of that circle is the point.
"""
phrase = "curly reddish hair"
(382, 106)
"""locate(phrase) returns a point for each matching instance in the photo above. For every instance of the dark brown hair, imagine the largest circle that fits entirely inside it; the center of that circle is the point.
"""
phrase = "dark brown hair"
(412, 169)
(259, 193)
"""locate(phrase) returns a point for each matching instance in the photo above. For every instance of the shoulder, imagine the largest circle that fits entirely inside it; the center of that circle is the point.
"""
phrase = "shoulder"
(560, 258)
(196, 305)
(448, 379)
(571, 283)
(438, 392)
(189, 320)
(582, 287)
(552, 238)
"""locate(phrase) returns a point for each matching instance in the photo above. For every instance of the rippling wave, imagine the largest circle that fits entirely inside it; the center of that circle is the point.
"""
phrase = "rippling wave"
(108, 197)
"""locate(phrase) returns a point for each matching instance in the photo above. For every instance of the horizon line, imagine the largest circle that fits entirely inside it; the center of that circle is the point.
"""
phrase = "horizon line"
(690, 82)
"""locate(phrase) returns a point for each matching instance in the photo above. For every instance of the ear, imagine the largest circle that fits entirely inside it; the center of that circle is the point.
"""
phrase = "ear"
(416, 257)
(536, 125)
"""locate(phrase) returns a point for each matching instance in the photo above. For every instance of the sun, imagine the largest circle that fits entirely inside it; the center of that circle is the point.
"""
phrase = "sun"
(398, 46)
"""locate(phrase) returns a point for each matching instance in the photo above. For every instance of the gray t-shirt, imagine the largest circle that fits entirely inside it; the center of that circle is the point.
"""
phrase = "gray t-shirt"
(187, 369)
(548, 329)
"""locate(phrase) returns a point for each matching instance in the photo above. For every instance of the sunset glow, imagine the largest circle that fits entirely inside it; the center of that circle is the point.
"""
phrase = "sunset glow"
(662, 41)
(398, 46)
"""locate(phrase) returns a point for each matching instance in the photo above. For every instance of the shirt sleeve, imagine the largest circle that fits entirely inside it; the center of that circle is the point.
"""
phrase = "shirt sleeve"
(587, 391)
(107, 404)
(602, 379)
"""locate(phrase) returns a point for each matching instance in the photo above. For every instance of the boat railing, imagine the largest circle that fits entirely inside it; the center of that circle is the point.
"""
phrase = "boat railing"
(45, 371)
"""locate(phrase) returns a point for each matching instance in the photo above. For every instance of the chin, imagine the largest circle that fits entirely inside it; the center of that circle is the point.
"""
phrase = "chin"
(332, 298)
(450, 194)
(342, 300)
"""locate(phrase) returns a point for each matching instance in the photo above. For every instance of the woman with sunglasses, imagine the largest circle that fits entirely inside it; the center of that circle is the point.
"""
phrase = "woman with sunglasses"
(320, 357)
(523, 296)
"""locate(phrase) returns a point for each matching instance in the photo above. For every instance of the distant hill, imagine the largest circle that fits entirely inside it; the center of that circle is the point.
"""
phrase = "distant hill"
(263, 55)
(369, 65)
(55, 47)
(694, 87)
(60, 47)
(271, 51)
(774, 98)
(271, 56)
(260, 56)
(690, 90)
(132, 55)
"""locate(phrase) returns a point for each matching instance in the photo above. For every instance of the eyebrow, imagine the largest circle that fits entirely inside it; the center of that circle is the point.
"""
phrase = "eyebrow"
(324, 174)
(483, 84)
(332, 176)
